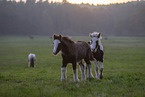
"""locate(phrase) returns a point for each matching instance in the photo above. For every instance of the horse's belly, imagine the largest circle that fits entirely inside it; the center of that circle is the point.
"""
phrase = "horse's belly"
(79, 58)
(69, 59)
(80, 55)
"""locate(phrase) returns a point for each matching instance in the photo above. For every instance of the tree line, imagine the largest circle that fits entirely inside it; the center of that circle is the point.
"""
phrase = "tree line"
(43, 18)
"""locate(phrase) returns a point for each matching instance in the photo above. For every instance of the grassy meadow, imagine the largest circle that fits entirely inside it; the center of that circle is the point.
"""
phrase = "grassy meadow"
(124, 69)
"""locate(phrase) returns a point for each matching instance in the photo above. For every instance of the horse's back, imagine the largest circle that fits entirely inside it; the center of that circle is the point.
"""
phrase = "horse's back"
(82, 44)
(83, 50)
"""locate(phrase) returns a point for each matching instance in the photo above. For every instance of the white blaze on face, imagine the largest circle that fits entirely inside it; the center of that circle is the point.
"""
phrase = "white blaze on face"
(56, 42)
(93, 43)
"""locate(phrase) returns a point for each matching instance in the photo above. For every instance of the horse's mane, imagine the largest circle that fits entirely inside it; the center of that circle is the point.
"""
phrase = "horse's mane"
(67, 39)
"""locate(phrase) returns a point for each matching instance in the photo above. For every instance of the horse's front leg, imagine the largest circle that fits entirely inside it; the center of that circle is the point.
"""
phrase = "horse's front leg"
(82, 68)
(63, 71)
(97, 69)
(75, 71)
(101, 70)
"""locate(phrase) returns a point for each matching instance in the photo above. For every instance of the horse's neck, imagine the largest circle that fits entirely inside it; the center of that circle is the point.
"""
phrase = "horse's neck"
(100, 45)
(65, 47)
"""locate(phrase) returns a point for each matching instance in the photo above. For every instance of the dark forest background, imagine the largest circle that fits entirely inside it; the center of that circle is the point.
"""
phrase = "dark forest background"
(43, 18)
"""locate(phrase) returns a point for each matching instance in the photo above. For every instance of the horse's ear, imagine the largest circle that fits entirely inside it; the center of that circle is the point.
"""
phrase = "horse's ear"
(54, 36)
(60, 37)
(99, 35)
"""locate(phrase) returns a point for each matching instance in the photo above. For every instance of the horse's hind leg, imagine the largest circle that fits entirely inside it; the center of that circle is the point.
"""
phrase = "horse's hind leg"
(75, 71)
(85, 67)
(101, 70)
(97, 69)
(90, 75)
(90, 71)
(82, 68)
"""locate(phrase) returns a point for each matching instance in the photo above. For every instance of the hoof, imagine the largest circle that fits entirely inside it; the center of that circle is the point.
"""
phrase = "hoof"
(83, 79)
(91, 77)
(77, 80)
(62, 80)
(97, 77)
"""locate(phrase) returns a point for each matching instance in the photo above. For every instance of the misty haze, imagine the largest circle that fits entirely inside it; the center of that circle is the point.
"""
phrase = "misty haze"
(43, 18)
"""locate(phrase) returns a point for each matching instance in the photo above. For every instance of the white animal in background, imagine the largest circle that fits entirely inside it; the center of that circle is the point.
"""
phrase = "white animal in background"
(31, 60)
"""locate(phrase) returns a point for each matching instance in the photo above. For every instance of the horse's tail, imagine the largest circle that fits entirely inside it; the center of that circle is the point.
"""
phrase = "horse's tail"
(32, 62)
(91, 55)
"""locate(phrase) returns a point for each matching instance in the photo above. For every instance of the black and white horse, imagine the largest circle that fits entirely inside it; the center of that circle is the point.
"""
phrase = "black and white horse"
(98, 53)
(73, 52)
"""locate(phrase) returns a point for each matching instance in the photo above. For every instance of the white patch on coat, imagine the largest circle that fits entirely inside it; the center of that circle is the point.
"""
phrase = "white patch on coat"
(94, 38)
(97, 69)
(63, 74)
(101, 65)
(93, 43)
(30, 56)
(75, 75)
(101, 46)
(95, 34)
(56, 42)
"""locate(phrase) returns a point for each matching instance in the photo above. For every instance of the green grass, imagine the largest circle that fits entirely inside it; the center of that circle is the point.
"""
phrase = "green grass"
(124, 69)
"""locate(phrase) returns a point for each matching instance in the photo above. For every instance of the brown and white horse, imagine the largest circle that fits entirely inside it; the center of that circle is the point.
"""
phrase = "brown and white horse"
(98, 53)
(73, 52)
